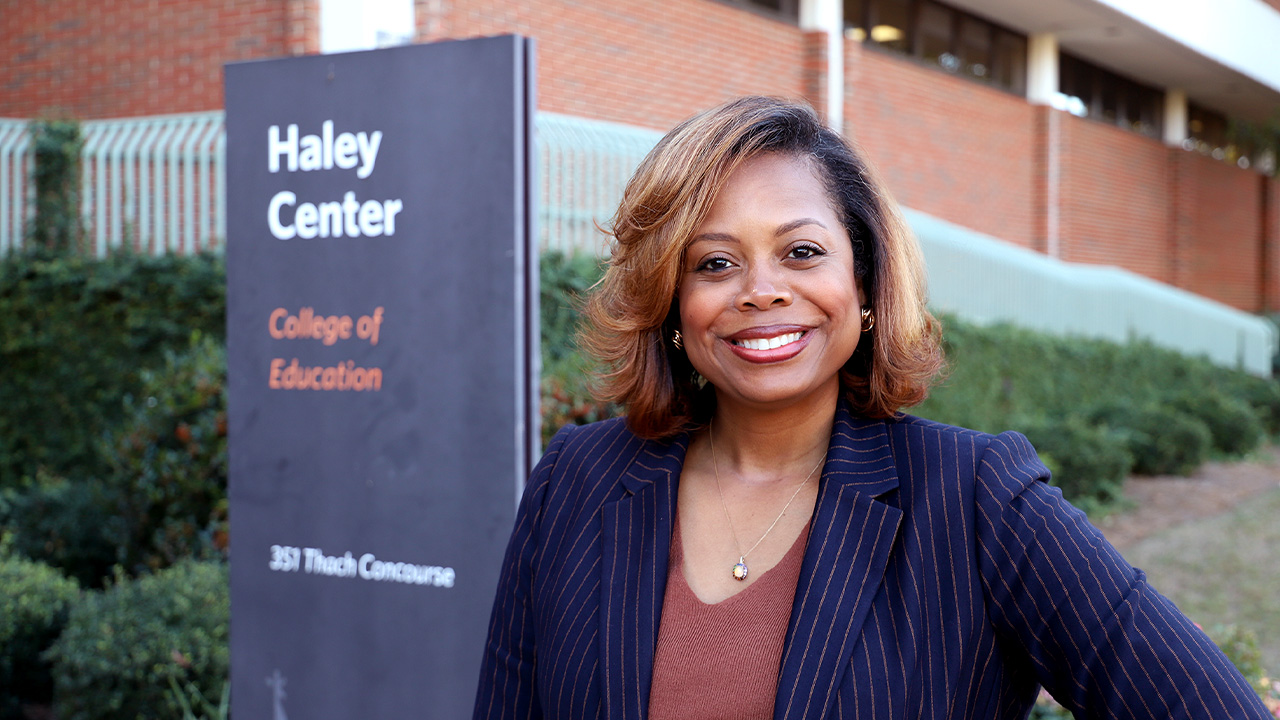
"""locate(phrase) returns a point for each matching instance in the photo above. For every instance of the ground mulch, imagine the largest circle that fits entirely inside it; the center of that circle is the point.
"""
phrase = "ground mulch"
(1165, 501)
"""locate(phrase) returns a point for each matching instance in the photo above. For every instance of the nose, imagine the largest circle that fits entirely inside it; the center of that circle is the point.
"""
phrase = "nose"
(763, 288)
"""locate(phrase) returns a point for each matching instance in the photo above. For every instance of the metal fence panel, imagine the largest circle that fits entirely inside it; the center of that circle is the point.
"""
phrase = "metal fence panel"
(16, 206)
(583, 167)
(985, 280)
(155, 184)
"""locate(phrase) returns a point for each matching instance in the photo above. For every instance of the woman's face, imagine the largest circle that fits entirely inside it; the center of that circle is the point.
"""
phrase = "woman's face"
(769, 307)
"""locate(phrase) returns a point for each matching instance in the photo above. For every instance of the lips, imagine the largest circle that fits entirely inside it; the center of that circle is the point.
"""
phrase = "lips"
(768, 344)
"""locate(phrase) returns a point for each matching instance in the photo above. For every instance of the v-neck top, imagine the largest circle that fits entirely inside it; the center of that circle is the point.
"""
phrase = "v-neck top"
(720, 661)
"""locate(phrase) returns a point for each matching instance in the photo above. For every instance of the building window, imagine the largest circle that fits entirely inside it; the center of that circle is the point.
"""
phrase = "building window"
(1100, 94)
(942, 36)
(784, 9)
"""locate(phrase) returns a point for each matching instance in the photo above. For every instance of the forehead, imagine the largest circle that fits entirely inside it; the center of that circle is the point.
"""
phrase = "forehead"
(771, 187)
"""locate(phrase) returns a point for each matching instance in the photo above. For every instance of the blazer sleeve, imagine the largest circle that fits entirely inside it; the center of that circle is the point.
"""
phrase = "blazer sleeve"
(1100, 639)
(507, 686)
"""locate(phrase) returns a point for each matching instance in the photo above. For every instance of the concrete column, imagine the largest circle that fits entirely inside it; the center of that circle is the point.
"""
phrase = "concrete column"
(828, 16)
(1175, 117)
(1042, 68)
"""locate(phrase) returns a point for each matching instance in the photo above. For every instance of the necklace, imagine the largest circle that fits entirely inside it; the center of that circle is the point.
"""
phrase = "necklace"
(740, 569)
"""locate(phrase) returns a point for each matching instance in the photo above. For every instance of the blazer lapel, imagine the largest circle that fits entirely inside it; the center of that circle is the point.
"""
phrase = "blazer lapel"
(635, 544)
(849, 544)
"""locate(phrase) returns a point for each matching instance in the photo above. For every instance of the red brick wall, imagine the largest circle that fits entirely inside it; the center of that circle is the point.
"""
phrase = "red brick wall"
(93, 59)
(1224, 247)
(945, 146)
(1114, 198)
(1271, 277)
(650, 64)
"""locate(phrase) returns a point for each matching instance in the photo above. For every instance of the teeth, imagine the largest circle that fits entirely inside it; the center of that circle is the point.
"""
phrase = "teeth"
(769, 343)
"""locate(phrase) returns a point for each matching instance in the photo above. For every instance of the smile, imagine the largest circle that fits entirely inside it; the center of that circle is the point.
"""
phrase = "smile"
(769, 343)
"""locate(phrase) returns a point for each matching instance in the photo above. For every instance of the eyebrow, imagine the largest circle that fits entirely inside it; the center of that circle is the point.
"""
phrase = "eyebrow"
(782, 229)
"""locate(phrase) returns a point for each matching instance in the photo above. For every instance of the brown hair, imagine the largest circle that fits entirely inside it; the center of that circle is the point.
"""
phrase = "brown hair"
(631, 312)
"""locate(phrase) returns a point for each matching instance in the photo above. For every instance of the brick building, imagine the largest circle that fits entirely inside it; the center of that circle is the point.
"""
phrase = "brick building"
(1089, 130)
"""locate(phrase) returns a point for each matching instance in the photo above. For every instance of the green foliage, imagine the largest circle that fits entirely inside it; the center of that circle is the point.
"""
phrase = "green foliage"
(34, 602)
(1240, 645)
(195, 706)
(1162, 439)
(168, 459)
(69, 525)
(76, 334)
(1234, 426)
(57, 144)
(1088, 462)
(563, 281)
(566, 374)
(121, 646)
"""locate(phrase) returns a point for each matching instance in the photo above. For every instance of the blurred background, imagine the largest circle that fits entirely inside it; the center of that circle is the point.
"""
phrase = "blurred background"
(1094, 184)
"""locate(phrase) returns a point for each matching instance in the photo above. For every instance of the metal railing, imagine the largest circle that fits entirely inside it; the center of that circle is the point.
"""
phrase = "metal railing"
(158, 184)
(152, 183)
(583, 166)
(16, 196)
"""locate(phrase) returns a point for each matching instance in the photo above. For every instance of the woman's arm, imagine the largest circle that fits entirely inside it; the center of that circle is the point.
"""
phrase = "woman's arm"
(1101, 639)
(507, 674)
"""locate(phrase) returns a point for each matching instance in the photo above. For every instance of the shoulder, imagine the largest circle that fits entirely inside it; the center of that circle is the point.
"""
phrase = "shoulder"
(1004, 463)
(574, 444)
(602, 455)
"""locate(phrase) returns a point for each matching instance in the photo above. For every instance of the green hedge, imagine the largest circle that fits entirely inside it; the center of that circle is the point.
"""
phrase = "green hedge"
(168, 460)
(35, 600)
(75, 336)
(120, 648)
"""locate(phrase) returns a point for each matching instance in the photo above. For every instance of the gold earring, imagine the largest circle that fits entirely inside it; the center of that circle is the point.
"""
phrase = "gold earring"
(677, 339)
(868, 319)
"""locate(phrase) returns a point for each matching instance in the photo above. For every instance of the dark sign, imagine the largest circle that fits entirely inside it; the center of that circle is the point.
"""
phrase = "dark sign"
(381, 345)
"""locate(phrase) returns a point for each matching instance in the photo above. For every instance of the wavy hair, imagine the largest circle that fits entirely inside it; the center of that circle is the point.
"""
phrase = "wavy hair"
(630, 313)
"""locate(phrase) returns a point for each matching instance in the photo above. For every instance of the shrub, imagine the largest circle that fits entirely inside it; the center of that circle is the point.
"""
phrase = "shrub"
(563, 280)
(34, 602)
(1087, 462)
(1162, 440)
(69, 525)
(1234, 427)
(168, 462)
(1240, 645)
(121, 646)
(76, 334)
(1262, 394)
(57, 144)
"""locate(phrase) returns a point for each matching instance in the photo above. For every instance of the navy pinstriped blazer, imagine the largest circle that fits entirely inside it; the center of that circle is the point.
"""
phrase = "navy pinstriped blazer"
(942, 579)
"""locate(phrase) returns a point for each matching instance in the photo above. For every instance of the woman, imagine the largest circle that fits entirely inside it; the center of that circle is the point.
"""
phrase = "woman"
(765, 534)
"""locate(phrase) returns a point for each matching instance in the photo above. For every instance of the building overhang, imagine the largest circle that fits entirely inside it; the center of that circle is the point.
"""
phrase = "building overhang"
(1224, 58)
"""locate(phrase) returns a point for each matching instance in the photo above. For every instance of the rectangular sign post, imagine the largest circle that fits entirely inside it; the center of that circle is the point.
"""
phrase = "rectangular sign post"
(381, 345)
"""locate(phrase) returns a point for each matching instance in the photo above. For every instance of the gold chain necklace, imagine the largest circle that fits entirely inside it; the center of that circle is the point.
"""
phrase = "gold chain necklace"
(740, 569)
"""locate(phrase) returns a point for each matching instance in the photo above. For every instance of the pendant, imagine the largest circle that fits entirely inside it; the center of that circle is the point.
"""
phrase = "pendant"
(740, 570)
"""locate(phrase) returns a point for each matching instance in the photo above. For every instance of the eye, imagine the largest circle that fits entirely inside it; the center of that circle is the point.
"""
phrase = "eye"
(805, 251)
(713, 264)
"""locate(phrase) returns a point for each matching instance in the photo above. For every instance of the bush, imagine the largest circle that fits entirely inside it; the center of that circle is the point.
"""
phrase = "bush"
(121, 646)
(567, 376)
(34, 602)
(168, 462)
(1087, 462)
(1162, 440)
(76, 334)
(57, 226)
(71, 526)
(1234, 427)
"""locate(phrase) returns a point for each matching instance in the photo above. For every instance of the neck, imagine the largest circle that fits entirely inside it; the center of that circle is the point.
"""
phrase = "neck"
(767, 445)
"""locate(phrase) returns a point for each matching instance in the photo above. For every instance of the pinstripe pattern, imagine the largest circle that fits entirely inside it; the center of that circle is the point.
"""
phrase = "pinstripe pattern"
(942, 579)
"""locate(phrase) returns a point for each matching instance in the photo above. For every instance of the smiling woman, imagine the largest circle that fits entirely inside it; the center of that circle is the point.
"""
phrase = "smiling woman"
(766, 534)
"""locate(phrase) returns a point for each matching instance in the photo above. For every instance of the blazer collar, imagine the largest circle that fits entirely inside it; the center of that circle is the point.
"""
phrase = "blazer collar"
(850, 539)
(848, 548)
